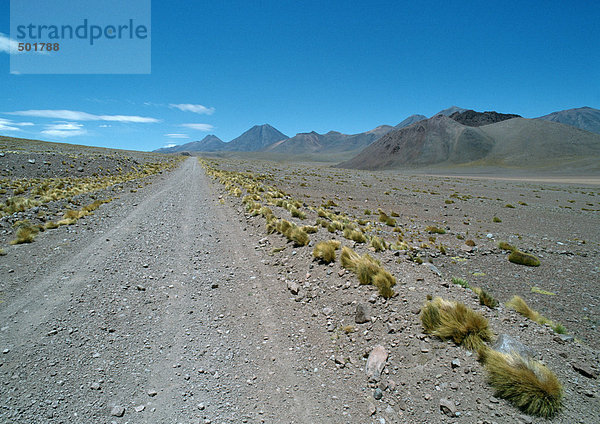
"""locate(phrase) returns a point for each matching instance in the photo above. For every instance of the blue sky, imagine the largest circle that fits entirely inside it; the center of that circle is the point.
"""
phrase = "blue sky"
(349, 66)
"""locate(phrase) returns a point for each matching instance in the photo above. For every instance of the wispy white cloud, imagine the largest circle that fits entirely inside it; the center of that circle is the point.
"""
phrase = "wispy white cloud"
(64, 129)
(7, 45)
(74, 115)
(199, 127)
(8, 125)
(177, 135)
(10, 46)
(187, 107)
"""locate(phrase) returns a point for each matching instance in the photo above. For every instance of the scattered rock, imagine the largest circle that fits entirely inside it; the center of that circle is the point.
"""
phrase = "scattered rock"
(31, 161)
(433, 268)
(152, 393)
(507, 344)
(584, 370)
(377, 393)
(376, 362)
(447, 407)
(117, 411)
(362, 314)
(95, 386)
(372, 409)
(293, 287)
(455, 363)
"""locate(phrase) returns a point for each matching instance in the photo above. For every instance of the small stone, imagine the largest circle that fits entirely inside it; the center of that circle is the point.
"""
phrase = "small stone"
(201, 406)
(80, 169)
(376, 362)
(117, 411)
(31, 161)
(372, 409)
(152, 393)
(507, 344)
(140, 408)
(293, 287)
(5, 351)
(327, 311)
(140, 288)
(433, 268)
(584, 370)
(455, 363)
(95, 386)
(447, 407)
(377, 393)
(214, 286)
(362, 314)
(341, 272)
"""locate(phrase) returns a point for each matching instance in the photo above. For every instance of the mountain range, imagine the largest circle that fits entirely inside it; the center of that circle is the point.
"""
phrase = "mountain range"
(509, 143)
(452, 136)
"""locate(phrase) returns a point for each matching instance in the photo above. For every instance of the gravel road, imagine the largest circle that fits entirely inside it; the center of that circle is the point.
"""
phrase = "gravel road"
(156, 310)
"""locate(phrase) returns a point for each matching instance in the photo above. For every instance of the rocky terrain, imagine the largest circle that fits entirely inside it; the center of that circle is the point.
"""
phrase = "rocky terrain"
(472, 118)
(172, 302)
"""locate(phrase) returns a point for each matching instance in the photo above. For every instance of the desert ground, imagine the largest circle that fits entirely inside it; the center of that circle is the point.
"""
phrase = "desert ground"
(170, 301)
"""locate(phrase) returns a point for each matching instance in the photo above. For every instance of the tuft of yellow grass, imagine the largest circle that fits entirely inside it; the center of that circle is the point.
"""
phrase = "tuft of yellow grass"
(455, 321)
(526, 383)
(325, 250)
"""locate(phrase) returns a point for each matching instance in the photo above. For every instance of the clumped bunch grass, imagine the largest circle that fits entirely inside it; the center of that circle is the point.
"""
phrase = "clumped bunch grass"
(25, 234)
(461, 282)
(496, 219)
(519, 305)
(526, 383)
(369, 271)
(355, 235)
(454, 321)
(378, 244)
(387, 220)
(506, 246)
(325, 250)
(435, 230)
(485, 298)
(522, 258)
(289, 230)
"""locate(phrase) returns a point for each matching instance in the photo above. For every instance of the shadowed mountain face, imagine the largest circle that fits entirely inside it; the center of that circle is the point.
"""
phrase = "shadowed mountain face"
(256, 138)
(471, 118)
(333, 142)
(210, 143)
(516, 142)
(586, 118)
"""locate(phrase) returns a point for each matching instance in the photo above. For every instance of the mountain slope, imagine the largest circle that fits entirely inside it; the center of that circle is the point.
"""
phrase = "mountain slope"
(256, 138)
(331, 143)
(586, 118)
(410, 120)
(210, 143)
(517, 142)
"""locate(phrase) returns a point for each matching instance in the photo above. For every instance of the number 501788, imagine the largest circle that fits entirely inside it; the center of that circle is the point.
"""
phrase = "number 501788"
(39, 47)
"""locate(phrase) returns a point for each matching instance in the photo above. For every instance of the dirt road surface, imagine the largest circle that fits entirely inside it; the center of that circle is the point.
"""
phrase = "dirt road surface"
(158, 311)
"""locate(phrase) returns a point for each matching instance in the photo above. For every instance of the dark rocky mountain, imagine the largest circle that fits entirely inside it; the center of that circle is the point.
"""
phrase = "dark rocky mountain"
(210, 143)
(471, 118)
(332, 142)
(450, 111)
(586, 118)
(517, 142)
(410, 120)
(255, 139)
